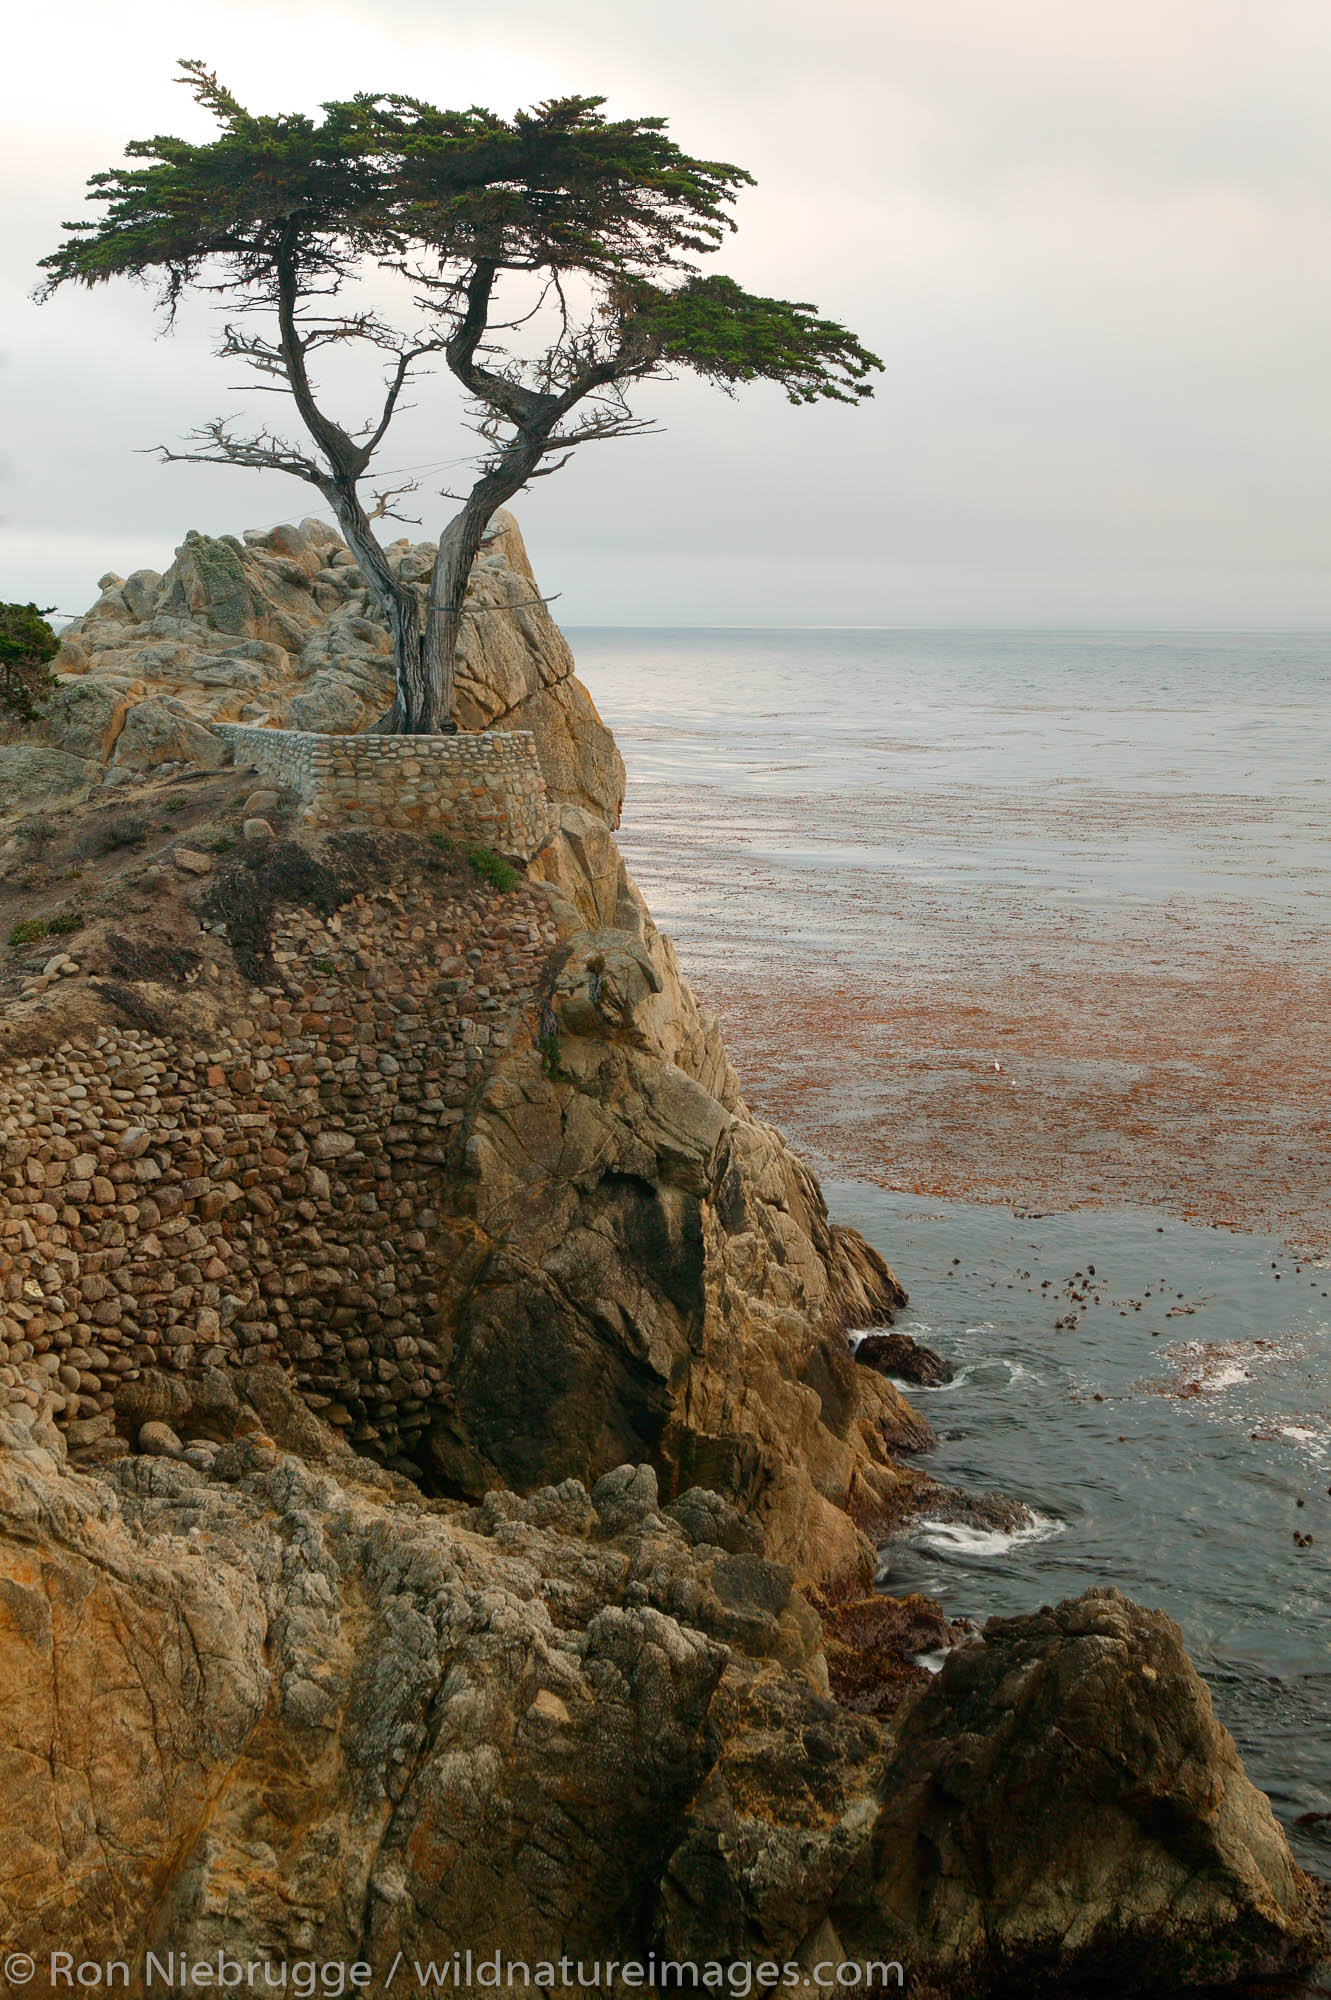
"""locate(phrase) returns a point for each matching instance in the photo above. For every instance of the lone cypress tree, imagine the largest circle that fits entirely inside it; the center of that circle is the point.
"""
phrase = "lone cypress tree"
(595, 225)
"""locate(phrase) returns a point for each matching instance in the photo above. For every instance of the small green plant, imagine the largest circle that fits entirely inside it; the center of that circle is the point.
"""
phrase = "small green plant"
(324, 965)
(175, 805)
(493, 868)
(442, 842)
(221, 845)
(550, 1063)
(63, 922)
(29, 931)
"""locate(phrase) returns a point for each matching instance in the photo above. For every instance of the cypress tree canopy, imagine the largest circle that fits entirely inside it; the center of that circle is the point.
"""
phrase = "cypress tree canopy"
(602, 220)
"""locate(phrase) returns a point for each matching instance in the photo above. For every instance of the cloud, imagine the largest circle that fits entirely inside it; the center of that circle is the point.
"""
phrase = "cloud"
(1087, 240)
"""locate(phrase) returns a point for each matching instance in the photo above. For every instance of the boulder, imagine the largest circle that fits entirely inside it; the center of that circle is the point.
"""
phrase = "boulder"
(1062, 1812)
(161, 730)
(191, 862)
(83, 715)
(898, 1354)
(33, 774)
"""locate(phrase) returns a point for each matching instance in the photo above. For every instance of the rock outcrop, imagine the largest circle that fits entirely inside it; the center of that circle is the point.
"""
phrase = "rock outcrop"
(437, 1500)
(267, 1705)
(279, 628)
(481, 1177)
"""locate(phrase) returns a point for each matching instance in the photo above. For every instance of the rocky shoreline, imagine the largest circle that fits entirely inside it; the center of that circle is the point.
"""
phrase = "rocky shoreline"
(440, 1501)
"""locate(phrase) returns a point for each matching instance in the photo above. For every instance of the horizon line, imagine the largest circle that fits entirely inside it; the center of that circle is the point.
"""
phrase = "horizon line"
(586, 625)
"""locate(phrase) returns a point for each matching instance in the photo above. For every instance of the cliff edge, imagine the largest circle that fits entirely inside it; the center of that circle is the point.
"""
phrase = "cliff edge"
(439, 1503)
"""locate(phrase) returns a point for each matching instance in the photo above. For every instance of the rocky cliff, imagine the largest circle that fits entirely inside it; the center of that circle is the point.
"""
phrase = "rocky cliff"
(438, 1499)
(273, 1707)
(279, 628)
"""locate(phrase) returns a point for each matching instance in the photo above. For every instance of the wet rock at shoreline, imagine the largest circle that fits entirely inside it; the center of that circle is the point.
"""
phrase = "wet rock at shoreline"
(1063, 1812)
(900, 1355)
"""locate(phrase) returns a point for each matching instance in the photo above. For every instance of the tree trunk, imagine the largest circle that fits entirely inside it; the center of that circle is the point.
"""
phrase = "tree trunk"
(459, 546)
(398, 602)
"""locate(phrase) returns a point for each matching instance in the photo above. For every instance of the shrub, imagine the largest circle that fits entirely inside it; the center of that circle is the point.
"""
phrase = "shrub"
(27, 643)
(124, 830)
(550, 1063)
(63, 922)
(28, 931)
(493, 868)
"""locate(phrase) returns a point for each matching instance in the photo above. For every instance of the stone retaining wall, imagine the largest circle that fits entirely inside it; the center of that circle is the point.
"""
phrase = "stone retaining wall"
(484, 788)
(270, 1193)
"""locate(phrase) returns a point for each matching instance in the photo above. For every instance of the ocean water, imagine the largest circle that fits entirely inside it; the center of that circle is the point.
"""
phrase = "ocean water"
(1159, 1395)
(816, 812)
(1095, 774)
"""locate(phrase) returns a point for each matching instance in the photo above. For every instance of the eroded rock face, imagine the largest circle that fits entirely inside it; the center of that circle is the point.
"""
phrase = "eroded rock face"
(1062, 1808)
(276, 1706)
(337, 1127)
(478, 1174)
(279, 628)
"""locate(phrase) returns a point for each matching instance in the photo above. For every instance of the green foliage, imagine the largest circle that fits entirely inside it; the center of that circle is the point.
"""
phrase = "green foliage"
(27, 643)
(175, 805)
(730, 336)
(63, 922)
(550, 1063)
(559, 189)
(493, 868)
(237, 198)
(29, 931)
(442, 842)
(323, 965)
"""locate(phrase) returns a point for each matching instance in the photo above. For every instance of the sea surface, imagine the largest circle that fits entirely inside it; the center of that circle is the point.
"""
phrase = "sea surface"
(1044, 920)
(1004, 915)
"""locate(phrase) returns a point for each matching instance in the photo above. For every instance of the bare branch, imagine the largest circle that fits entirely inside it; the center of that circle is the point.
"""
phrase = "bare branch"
(384, 510)
(262, 451)
(525, 604)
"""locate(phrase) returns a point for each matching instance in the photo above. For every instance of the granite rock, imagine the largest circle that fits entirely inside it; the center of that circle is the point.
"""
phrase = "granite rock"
(278, 628)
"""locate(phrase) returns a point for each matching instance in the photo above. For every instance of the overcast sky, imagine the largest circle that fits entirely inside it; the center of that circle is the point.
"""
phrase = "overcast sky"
(1091, 239)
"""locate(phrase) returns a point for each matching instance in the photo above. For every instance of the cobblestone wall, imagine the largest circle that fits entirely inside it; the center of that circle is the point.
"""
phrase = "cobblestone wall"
(267, 1193)
(484, 788)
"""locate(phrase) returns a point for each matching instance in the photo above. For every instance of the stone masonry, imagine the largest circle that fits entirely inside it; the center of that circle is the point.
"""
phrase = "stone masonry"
(484, 787)
(268, 1193)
